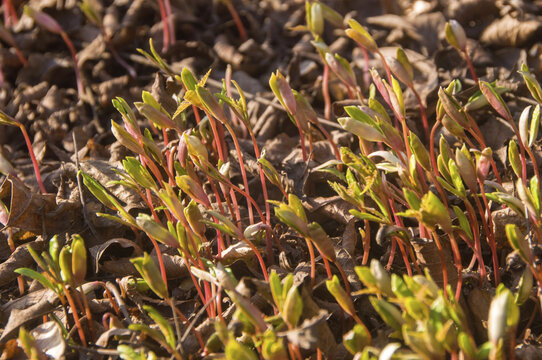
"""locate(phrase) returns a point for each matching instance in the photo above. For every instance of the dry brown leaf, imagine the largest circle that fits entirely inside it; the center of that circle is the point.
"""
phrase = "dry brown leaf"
(510, 31)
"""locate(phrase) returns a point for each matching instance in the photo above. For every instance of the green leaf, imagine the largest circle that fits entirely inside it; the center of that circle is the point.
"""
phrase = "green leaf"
(399, 95)
(535, 123)
(463, 221)
(273, 347)
(127, 353)
(127, 114)
(322, 241)
(509, 200)
(344, 299)
(156, 231)
(455, 35)
(341, 67)
(226, 225)
(513, 158)
(453, 127)
(433, 212)
(388, 312)
(65, 262)
(416, 309)
(402, 58)
(332, 16)
(285, 214)
(189, 81)
(367, 216)
(27, 342)
(126, 140)
(283, 92)
(356, 339)
(252, 313)
(155, 58)
(412, 199)
(525, 287)
(456, 179)
(155, 116)
(381, 278)
(360, 35)
(211, 104)
(90, 12)
(452, 108)
(495, 100)
(42, 279)
(101, 194)
(79, 259)
(195, 218)
(316, 24)
(361, 129)
(193, 189)
(237, 351)
(503, 316)
(466, 168)
(276, 289)
(526, 197)
(535, 192)
(295, 204)
(5, 119)
(467, 345)
(153, 334)
(518, 241)
(366, 277)
(532, 84)
(163, 325)
(292, 307)
(419, 151)
(54, 248)
(151, 274)
(139, 173)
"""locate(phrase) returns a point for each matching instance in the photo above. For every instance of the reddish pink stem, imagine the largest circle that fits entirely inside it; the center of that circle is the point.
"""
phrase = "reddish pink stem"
(165, 25)
(424, 115)
(33, 157)
(325, 92)
(79, 80)
(471, 67)
(170, 22)
(237, 19)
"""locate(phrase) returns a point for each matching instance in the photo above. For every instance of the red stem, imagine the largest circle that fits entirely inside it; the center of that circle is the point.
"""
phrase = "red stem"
(170, 22)
(458, 264)
(325, 92)
(491, 238)
(442, 259)
(259, 256)
(313, 261)
(386, 67)
(366, 74)
(160, 259)
(243, 170)
(237, 19)
(471, 67)
(75, 315)
(424, 115)
(166, 35)
(265, 197)
(302, 140)
(73, 52)
(33, 158)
